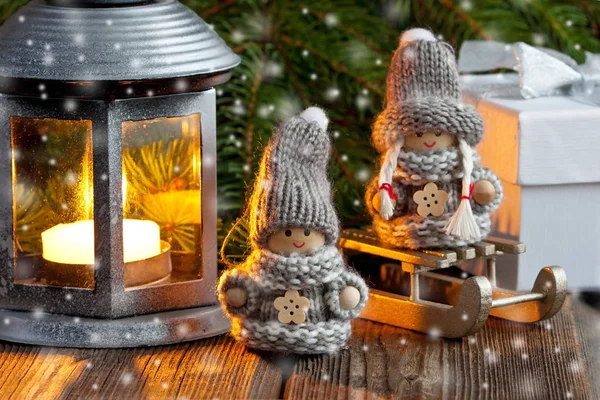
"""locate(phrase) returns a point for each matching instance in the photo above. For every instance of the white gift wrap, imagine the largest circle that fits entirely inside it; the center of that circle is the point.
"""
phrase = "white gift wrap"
(547, 153)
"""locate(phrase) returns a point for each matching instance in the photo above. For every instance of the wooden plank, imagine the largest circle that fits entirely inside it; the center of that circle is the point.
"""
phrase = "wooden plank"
(587, 319)
(356, 240)
(504, 361)
(465, 253)
(484, 249)
(448, 255)
(211, 368)
(506, 245)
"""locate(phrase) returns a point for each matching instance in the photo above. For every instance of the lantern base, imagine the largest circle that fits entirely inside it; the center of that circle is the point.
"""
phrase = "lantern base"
(144, 330)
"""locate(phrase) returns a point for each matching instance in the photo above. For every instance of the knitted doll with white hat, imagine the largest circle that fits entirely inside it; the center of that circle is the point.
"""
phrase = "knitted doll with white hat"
(294, 292)
(431, 190)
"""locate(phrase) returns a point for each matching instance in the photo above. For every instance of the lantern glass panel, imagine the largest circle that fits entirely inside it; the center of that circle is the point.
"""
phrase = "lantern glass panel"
(53, 205)
(162, 199)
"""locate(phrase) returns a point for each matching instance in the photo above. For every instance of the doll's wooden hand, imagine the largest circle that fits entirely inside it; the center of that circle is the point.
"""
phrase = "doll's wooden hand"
(349, 298)
(484, 192)
(236, 297)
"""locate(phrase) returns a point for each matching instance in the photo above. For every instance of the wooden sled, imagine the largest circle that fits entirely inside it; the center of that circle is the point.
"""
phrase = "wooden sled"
(424, 291)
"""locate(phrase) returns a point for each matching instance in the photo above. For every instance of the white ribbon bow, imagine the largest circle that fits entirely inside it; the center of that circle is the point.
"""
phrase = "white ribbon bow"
(542, 71)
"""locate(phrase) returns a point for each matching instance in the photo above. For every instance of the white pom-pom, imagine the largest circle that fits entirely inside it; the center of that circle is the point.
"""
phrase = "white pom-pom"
(415, 34)
(317, 115)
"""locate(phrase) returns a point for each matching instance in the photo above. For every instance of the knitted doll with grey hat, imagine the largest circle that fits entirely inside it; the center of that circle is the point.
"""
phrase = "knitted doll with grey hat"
(294, 293)
(431, 190)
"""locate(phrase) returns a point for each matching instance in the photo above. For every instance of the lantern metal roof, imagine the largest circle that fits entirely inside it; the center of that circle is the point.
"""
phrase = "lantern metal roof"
(110, 40)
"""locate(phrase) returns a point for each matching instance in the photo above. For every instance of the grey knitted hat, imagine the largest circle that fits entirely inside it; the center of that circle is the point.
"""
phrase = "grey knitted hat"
(423, 93)
(292, 189)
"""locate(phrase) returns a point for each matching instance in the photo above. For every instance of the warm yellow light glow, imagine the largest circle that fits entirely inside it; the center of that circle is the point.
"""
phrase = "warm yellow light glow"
(74, 243)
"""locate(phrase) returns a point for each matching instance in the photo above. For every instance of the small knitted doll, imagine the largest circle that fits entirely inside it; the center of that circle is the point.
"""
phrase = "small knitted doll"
(294, 293)
(431, 190)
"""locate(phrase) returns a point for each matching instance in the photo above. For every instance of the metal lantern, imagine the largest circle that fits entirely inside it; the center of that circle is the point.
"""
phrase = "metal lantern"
(108, 173)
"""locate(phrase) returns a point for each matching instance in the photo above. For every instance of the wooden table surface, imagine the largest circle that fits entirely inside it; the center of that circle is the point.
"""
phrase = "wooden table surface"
(554, 359)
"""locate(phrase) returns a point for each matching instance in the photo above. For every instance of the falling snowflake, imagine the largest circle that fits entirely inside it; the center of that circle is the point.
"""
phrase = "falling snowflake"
(79, 39)
(246, 168)
(68, 297)
(464, 275)
(238, 108)
(466, 5)
(70, 105)
(336, 134)
(126, 378)
(363, 175)
(485, 386)
(128, 335)
(465, 316)
(182, 85)
(548, 326)
(219, 92)
(331, 20)
(25, 228)
(525, 356)
(305, 53)
(577, 46)
(183, 329)
(244, 77)
(538, 39)
(344, 157)
(237, 36)
(362, 102)
(44, 96)
(518, 342)
(402, 341)
(150, 93)
(29, 42)
(575, 366)
(569, 23)
(77, 320)
(129, 91)
(313, 77)
(117, 46)
(89, 365)
(52, 161)
(48, 59)
(164, 385)
(47, 47)
(273, 69)
(104, 177)
(557, 350)
(472, 340)
(378, 61)
(95, 386)
(490, 355)
(356, 203)
(156, 320)
(332, 93)
(325, 377)
(569, 395)
(81, 58)
(38, 313)
(365, 347)
(21, 18)
(434, 333)
(305, 11)
(157, 362)
(109, 22)
(6, 321)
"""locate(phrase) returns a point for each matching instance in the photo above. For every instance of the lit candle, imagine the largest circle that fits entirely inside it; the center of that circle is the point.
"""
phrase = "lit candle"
(74, 243)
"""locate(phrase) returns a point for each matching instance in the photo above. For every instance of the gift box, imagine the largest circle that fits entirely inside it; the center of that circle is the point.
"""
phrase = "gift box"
(546, 151)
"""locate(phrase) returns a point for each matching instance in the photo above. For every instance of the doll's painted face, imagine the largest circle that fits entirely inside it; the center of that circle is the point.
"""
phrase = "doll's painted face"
(428, 141)
(295, 240)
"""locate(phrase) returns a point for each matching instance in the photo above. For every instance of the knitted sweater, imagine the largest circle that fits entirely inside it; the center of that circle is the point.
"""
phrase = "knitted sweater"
(266, 276)
(407, 229)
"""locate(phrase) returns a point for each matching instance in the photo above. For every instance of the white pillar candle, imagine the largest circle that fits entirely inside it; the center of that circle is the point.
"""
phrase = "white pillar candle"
(74, 243)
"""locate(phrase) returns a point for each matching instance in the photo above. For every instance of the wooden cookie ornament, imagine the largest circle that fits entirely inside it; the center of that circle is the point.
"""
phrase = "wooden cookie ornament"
(294, 293)
(431, 191)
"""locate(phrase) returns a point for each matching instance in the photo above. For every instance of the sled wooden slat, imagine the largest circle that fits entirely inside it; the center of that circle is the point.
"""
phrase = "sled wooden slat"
(484, 249)
(447, 255)
(465, 253)
(506, 245)
(368, 245)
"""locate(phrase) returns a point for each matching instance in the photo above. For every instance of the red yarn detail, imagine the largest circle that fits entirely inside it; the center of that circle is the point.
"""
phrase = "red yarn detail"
(388, 188)
(471, 188)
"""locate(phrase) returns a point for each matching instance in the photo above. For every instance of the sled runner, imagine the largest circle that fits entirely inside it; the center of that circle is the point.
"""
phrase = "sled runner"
(424, 291)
